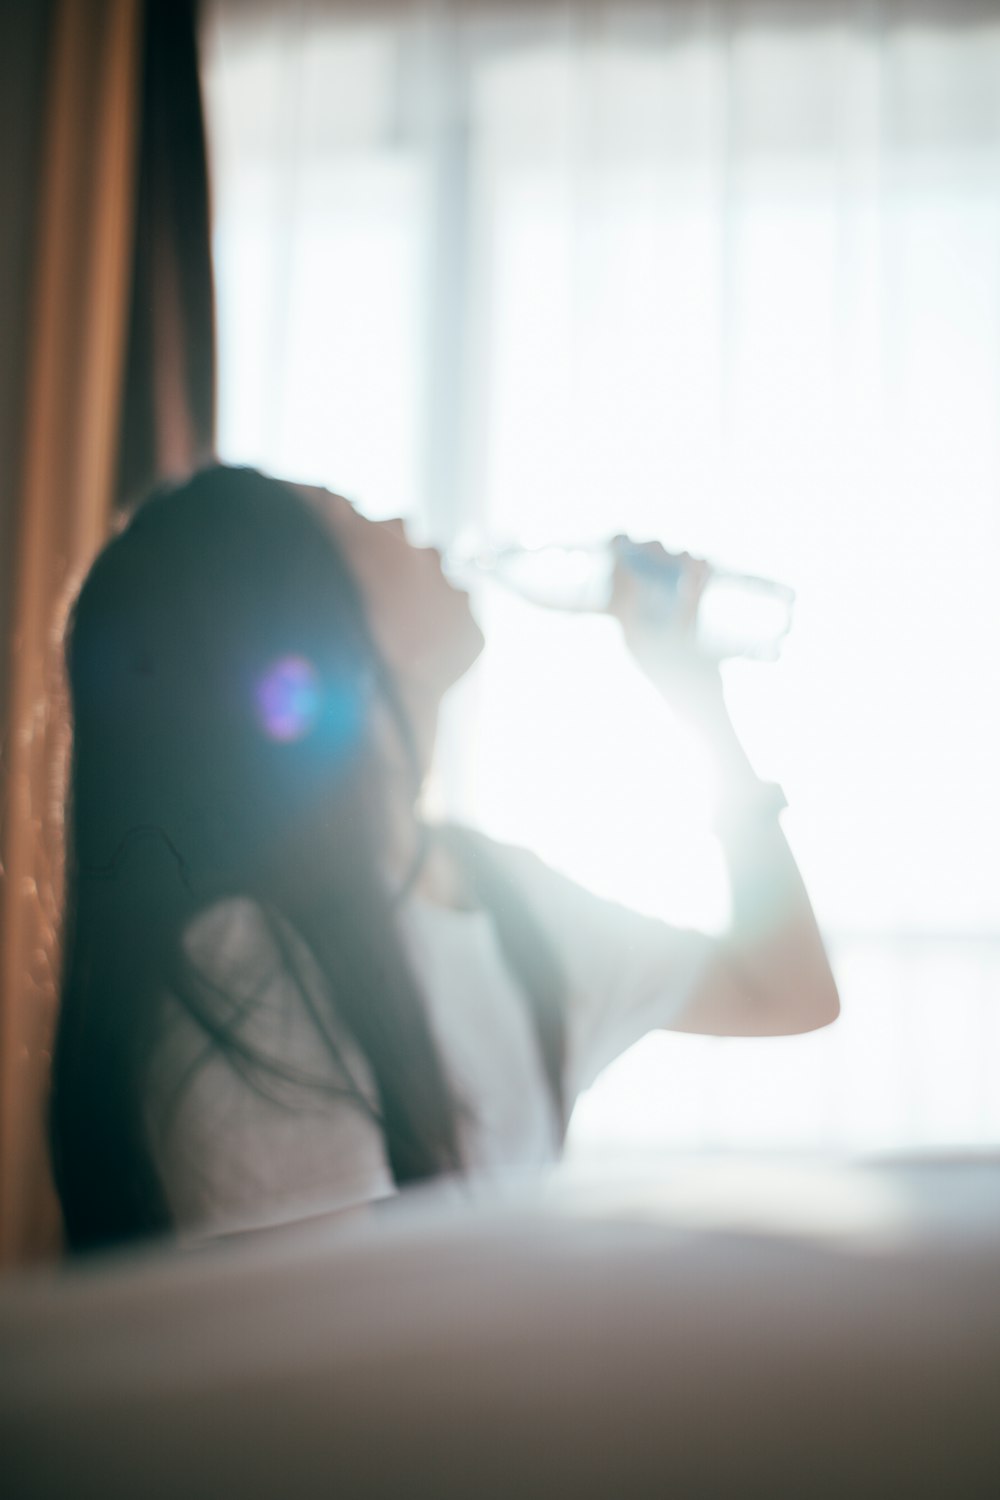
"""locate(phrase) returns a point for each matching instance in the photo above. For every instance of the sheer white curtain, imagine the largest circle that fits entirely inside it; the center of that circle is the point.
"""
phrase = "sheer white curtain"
(728, 274)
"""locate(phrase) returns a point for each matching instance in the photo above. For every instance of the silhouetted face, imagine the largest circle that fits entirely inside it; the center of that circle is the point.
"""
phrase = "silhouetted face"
(422, 625)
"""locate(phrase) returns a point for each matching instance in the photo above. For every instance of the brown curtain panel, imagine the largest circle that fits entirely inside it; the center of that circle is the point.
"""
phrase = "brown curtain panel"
(107, 383)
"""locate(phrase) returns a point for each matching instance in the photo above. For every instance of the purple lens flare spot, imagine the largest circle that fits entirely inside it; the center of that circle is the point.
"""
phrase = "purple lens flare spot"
(288, 699)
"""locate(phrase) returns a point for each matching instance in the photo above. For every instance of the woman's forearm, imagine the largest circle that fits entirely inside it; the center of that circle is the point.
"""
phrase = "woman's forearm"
(773, 943)
(773, 975)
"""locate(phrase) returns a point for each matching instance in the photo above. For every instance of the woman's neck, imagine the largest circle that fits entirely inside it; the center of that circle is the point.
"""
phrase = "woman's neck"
(417, 861)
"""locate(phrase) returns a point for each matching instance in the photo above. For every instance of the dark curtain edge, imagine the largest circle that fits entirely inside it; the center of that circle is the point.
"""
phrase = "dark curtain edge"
(172, 273)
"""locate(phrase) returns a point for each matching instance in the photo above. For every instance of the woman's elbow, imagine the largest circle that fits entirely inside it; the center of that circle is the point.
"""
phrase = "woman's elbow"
(817, 1005)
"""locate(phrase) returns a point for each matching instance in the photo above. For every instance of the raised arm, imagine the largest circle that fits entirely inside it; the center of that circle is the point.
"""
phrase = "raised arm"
(771, 975)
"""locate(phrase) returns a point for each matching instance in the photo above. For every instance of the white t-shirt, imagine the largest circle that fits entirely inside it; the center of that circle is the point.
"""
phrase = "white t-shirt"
(232, 1156)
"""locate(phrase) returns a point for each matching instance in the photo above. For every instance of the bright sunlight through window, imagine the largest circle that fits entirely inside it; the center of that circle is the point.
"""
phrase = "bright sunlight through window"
(586, 271)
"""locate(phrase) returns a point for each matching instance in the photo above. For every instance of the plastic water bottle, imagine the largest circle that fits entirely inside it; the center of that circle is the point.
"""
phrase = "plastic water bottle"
(739, 615)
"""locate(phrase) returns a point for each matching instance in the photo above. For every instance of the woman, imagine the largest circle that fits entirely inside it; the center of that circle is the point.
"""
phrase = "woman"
(283, 993)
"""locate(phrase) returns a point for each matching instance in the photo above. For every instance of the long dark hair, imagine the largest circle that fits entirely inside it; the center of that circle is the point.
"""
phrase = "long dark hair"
(221, 678)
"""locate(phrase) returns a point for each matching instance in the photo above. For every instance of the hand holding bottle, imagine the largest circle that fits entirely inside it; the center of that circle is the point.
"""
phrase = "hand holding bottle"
(656, 596)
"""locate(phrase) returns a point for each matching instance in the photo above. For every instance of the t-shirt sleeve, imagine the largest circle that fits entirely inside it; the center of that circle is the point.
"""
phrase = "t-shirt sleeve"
(239, 1148)
(626, 974)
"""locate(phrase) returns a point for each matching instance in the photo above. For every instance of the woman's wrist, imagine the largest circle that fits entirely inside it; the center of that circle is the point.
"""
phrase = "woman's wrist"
(690, 683)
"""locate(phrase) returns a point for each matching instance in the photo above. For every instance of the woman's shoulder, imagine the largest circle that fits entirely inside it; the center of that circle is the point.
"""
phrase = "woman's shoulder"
(231, 940)
(512, 860)
(556, 898)
(601, 943)
(252, 975)
(230, 982)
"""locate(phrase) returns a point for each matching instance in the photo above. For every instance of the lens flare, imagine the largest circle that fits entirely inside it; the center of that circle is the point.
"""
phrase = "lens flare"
(288, 699)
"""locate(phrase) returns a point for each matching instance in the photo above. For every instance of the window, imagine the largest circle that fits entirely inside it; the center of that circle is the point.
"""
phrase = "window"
(727, 277)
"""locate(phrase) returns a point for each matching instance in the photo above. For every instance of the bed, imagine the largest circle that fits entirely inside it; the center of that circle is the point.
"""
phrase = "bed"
(683, 1327)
